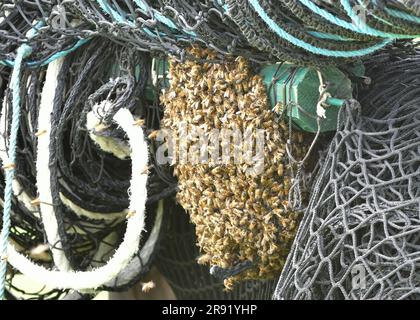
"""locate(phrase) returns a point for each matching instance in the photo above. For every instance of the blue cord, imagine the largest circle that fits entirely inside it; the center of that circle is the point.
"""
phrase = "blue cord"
(368, 30)
(302, 44)
(166, 21)
(402, 15)
(362, 4)
(399, 14)
(55, 56)
(22, 53)
(328, 36)
(355, 27)
(117, 17)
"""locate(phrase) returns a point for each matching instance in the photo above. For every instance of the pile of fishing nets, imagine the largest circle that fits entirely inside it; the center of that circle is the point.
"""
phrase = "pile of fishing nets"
(87, 88)
(72, 177)
(304, 32)
(359, 238)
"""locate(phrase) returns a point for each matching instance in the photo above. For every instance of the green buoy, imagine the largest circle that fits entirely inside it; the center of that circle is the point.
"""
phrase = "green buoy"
(295, 91)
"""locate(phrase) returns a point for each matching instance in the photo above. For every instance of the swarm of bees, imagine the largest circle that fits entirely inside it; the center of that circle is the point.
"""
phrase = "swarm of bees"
(240, 214)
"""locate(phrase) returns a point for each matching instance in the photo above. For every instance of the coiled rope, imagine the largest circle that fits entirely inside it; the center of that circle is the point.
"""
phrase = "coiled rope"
(129, 246)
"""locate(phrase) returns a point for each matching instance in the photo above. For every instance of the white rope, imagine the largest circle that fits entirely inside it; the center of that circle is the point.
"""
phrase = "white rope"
(43, 173)
(129, 246)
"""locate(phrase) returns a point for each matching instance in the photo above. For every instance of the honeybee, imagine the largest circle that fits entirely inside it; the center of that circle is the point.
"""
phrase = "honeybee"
(147, 286)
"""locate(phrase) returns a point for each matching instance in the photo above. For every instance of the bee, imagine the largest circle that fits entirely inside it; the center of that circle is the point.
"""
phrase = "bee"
(278, 108)
(40, 133)
(36, 202)
(204, 259)
(147, 286)
(252, 225)
(131, 213)
(153, 135)
(146, 170)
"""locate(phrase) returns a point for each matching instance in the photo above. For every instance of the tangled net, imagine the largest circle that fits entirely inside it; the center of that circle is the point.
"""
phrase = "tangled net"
(41, 25)
(177, 261)
(359, 238)
(303, 32)
(69, 190)
(89, 183)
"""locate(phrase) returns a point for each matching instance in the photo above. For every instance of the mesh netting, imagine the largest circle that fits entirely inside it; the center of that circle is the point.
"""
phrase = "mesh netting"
(359, 238)
(411, 5)
(107, 48)
(262, 31)
(177, 261)
(89, 185)
(42, 25)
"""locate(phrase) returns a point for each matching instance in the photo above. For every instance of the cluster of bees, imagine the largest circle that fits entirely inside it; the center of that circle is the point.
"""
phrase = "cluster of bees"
(239, 216)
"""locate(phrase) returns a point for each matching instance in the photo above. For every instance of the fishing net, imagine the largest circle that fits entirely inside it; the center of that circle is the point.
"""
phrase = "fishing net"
(41, 24)
(412, 6)
(80, 63)
(177, 261)
(359, 238)
(89, 183)
(259, 30)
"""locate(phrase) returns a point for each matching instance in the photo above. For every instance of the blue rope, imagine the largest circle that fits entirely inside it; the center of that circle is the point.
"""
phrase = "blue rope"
(22, 53)
(120, 19)
(302, 44)
(328, 36)
(397, 13)
(165, 20)
(363, 5)
(359, 26)
(402, 15)
(368, 30)
(55, 56)
(154, 34)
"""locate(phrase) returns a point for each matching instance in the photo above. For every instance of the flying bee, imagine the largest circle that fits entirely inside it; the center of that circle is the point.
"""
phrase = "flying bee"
(147, 286)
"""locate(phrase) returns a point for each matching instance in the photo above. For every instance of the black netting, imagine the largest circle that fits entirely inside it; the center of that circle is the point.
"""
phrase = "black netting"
(229, 27)
(88, 183)
(364, 211)
(177, 261)
(359, 238)
(41, 24)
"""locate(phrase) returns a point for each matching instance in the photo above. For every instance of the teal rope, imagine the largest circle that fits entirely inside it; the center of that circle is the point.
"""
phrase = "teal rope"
(144, 7)
(362, 4)
(114, 14)
(302, 44)
(328, 36)
(355, 27)
(22, 53)
(60, 54)
(120, 19)
(55, 56)
(368, 30)
(402, 15)
(166, 21)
